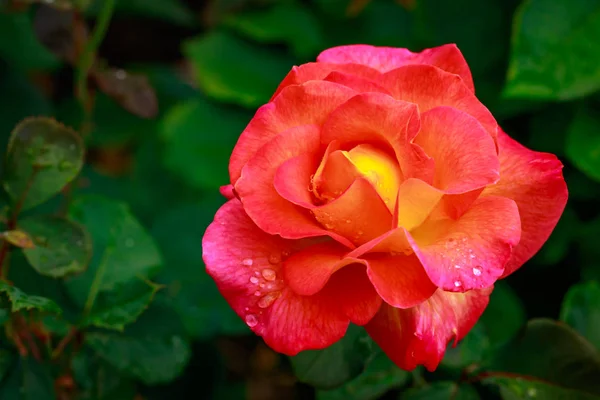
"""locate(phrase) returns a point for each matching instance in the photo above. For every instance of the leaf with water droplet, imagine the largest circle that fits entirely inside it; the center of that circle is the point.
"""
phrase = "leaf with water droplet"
(62, 247)
(525, 388)
(19, 300)
(112, 227)
(18, 238)
(36, 150)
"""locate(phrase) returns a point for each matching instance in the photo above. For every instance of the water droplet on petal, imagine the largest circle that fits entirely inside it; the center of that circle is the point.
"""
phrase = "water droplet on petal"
(476, 271)
(457, 266)
(262, 285)
(247, 262)
(471, 256)
(253, 280)
(268, 299)
(457, 283)
(274, 259)
(257, 293)
(256, 273)
(269, 274)
(348, 221)
(251, 320)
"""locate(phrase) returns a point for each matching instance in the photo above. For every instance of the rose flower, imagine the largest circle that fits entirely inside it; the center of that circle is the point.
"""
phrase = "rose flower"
(375, 188)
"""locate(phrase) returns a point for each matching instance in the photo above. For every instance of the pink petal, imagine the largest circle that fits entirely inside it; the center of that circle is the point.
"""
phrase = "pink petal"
(447, 57)
(430, 87)
(245, 263)
(227, 191)
(420, 335)
(464, 153)
(535, 182)
(307, 104)
(271, 212)
(471, 252)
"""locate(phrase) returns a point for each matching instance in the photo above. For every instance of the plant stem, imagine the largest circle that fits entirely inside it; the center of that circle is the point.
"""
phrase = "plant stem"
(64, 342)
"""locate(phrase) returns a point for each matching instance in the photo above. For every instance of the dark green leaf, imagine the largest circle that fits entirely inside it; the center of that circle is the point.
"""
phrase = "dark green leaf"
(28, 380)
(19, 300)
(98, 381)
(526, 389)
(557, 246)
(125, 306)
(504, 315)
(380, 376)
(581, 310)
(123, 250)
(552, 352)
(441, 391)
(194, 294)
(152, 360)
(61, 247)
(199, 137)
(291, 23)
(235, 71)
(583, 142)
(337, 364)
(42, 157)
(470, 350)
(7, 361)
(172, 11)
(555, 51)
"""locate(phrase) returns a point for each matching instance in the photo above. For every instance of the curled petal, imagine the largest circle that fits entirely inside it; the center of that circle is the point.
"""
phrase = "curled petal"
(288, 110)
(249, 276)
(419, 335)
(471, 252)
(430, 87)
(416, 200)
(447, 57)
(535, 182)
(227, 191)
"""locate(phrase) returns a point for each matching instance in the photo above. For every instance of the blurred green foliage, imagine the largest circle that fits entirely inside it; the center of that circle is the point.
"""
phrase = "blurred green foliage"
(117, 122)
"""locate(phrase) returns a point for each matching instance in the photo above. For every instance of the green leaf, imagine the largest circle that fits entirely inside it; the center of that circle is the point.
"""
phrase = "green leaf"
(192, 291)
(172, 11)
(337, 364)
(380, 376)
(235, 71)
(42, 157)
(470, 350)
(123, 309)
(555, 52)
(98, 381)
(150, 359)
(28, 380)
(290, 23)
(558, 244)
(581, 310)
(441, 391)
(19, 300)
(552, 352)
(19, 45)
(7, 360)
(123, 250)
(504, 315)
(199, 137)
(61, 247)
(583, 142)
(527, 389)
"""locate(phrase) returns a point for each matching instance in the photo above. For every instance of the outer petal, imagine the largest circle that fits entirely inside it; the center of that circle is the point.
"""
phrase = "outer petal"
(430, 87)
(248, 274)
(447, 57)
(471, 252)
(305, 104)
(227, 191)
(419, 335)
(535, 182)
(400, 280)
(464, 153)
(271, 212)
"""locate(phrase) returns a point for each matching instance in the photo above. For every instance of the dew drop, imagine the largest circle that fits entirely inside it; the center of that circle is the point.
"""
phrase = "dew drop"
(269, 274)
(471, 256)
(253, 280)
(531, 392)
(256, 273)
(274, 258)
(348, 221)
(457, 266)
(246, 309)
(268, 299)
(129, 242)
(476, 271)
(251, 320)
(262, 285)
(257, 293)
(457, 283)
(247, 262)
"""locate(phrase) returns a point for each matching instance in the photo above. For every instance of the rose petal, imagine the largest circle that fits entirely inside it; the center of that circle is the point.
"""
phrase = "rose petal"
(464, 153)
(244, 261)
(430, 87)
(335, 176)
(227, 191)
(307, 104)
(471, 252)
(535, 182)
(293, 180)
(378, 118)
(271, 212)
(354, 82)
(416, 200)
(420, 335)
(400, 280)
(447, 57)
